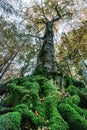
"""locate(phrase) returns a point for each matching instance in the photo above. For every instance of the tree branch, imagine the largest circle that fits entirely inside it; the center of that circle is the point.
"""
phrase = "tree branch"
(35, 36)
(57, 11)
(40, 30)
(46, 19)
(55, 19)
(9, 63)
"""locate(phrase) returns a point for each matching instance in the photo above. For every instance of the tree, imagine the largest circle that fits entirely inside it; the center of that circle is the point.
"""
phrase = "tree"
(73, 48)
(45, 19)
(12, 43)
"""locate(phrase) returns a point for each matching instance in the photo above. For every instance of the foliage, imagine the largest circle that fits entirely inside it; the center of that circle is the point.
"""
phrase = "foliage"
(72, 52)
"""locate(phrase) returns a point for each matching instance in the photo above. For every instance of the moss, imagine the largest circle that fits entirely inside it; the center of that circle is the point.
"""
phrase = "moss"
(18, 81)
(83, 99)
(81, 111)
(82, 93)
(72, 90)
(47, 88)
(20, 94)
(40, 71)
(21, 108)
(40, 79)
(16, 94)
(35, 99)
(78, 84)
(75, 99)
(10, 121)
(53, 116)
(68, 80)
(56, 121)
(34, 117)
(74, 119)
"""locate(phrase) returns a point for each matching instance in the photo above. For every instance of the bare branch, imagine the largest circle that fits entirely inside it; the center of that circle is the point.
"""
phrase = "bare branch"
(40, 29)
(57, 11)
(35, 36)
(55, 19)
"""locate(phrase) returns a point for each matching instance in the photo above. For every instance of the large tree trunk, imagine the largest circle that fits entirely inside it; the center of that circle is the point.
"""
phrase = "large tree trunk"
(46, 57)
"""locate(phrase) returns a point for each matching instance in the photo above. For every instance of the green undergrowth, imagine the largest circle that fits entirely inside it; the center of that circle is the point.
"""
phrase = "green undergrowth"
(36, 103)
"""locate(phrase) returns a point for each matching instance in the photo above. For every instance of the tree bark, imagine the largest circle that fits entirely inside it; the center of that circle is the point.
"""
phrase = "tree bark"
(46, 57)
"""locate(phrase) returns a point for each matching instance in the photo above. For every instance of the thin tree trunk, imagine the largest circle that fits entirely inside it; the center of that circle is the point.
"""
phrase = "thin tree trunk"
(8, 64)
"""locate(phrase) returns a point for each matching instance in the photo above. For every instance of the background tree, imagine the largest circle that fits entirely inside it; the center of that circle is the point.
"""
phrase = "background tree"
(73, 46)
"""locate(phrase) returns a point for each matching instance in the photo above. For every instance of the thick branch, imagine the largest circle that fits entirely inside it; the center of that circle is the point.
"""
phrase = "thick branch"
(57, 11)
(57, 18)
(59, 15)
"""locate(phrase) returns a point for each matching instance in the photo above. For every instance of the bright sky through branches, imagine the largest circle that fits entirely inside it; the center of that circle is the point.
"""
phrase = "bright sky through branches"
(79, 5)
